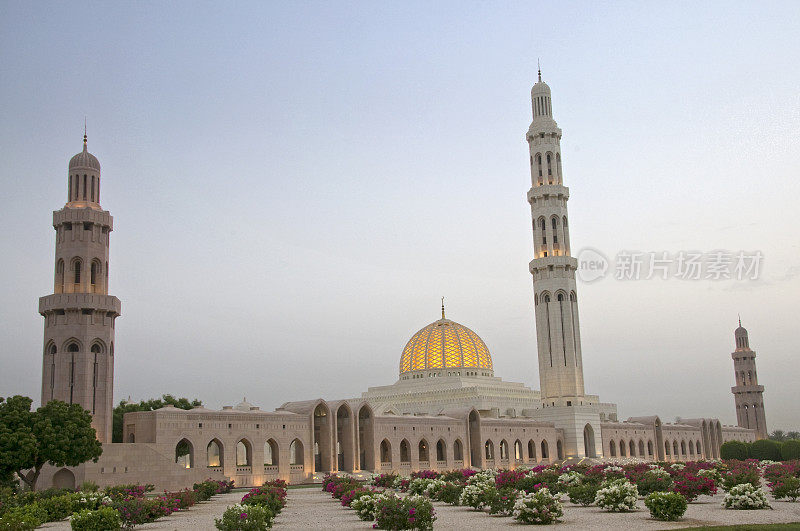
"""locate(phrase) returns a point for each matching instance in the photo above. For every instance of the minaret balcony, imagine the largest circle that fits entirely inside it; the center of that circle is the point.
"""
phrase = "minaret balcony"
(556, 262)
(741, 389)
(83, 215)
(550, 190)
(80, 301)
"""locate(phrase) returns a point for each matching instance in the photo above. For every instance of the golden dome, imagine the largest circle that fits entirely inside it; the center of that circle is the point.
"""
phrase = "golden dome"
(445, 344)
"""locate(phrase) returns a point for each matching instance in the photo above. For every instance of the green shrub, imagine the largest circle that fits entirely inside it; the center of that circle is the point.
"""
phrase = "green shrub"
(786, 487)
(654, 481)
(583, 494)
(766, 449)
(23, 518)
(103, 519)
(734, 450)
(790, 450)
(666, 505)
(449, 493)
(245, 518)
(58, 507)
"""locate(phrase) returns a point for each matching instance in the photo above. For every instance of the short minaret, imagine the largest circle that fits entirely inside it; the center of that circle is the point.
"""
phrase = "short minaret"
(747, 394)
(79, 316)
(553, 268)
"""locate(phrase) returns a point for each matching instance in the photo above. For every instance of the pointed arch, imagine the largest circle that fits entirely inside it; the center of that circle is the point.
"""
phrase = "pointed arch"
(271, 453)
(386, 452)
(441, 450)
(345, 451)
(405, 451)
(545, 449)
(650, 448)
(641, 448)
(59, 288)
(612, 448)
(458, 450)
(560, 449)
(488, 447)
(632, 448)
(296, 452)
(588, 441)
(622, 448)
(474, 438)
(244, 453)
(77, 267)
(321, 446)
(215, 453)
(423, 451)
(184, 453)
(531, 450)
(504, 449)
(366, 438)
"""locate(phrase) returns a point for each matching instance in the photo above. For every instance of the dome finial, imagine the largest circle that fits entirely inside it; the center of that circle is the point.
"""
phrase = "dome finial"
(442, 307)
(539, 64)
(740, 319)
(84, 133)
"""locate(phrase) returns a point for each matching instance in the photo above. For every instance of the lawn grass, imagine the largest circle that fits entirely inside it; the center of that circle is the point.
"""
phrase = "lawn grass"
(795, 526)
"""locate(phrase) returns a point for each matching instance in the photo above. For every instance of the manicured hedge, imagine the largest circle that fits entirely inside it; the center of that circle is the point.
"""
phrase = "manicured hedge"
(734, 450)
(766, 449)
(790, 450)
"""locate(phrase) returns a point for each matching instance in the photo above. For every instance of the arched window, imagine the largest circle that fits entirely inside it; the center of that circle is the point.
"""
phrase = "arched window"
(531, 450)
(441, 450)
(244, 453)
(666, 448)
(554, 223)
(93, 271)
(517, 451)
(77, 265)
(691, 447)
(489, 450)
(683, 448)
(184, 454)
(69, 193)
(214, 453)
(423, 450)
(612, 449)
(458, 450)
(641, 448)
(675, 448)
(92, 188)
(296, 454)
(271, 452)
(386, 451)
(560, 449)
(622, 448)
(84, 187)
(632, 448)
(405, 451)
(539, 166)
(503, 449)
(545, 452)
(60, 276)
(650, 448)
(549, 169)
(558, 167)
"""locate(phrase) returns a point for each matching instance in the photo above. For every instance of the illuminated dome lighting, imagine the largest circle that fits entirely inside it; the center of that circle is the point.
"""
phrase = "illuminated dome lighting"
(445, 344)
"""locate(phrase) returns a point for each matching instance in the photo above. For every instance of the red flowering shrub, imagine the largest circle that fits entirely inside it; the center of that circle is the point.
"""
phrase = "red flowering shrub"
(690, 486)
(508, 478)
(384, 480)
(425, 474)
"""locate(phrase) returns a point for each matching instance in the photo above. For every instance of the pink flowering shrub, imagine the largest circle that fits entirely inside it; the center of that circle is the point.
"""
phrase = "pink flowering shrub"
(691, 486)
(508, 478)
(425, 474)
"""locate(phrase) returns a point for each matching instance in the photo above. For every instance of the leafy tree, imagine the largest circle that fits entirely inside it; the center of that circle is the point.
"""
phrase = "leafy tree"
(734, 450)
(778, 435)
(57, 433)
(146, 405)
(793, 434)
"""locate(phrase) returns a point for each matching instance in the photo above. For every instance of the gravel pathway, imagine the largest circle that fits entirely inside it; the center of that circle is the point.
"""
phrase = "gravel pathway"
(313, 509)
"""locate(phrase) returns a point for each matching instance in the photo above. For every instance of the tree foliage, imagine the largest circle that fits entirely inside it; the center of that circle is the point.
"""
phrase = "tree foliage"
(790, 450)
(57, 433)
(147, 405)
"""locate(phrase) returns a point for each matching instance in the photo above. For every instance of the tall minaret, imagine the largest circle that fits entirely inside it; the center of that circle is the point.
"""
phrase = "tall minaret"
(747, 394)
(79, 316)
(553, 269)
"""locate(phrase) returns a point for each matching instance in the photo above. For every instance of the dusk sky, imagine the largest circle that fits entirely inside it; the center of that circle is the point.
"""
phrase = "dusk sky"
(295, 185)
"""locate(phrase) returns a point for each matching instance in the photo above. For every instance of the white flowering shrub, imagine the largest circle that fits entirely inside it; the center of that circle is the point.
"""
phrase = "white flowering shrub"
(570, 479)
(418, 485)
(746, 496)
(677, 466)
(89, 500)
(618, 495)
(484, 477)
(538, 507)
(365, 506)
(472, 496)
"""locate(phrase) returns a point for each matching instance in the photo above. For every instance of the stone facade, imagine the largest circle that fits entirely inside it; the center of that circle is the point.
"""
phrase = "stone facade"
(446, 410)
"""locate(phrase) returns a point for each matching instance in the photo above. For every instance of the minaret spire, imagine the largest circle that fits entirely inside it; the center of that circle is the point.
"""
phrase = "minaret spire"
(84, 134)
(539, 64)
(740, 319)
(442, 307)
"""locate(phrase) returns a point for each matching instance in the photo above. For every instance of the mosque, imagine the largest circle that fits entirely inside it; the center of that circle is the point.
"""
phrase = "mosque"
(446, 410)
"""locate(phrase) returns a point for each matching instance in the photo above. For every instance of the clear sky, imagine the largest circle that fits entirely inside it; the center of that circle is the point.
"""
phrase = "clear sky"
(295, 184)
